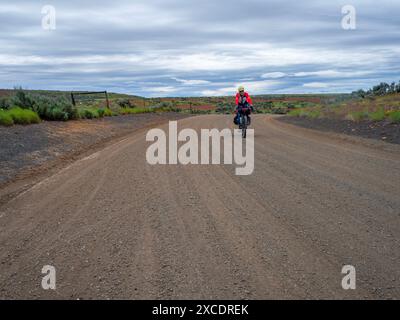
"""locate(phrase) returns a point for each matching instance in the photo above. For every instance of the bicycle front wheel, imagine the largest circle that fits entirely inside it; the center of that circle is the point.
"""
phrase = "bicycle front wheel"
(244, 126)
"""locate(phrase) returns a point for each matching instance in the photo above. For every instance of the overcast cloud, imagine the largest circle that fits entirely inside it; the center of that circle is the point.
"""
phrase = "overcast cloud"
(184, 47)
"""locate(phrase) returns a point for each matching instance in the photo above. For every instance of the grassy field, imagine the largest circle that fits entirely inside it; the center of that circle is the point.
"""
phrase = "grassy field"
(379, 103)
(379, 108)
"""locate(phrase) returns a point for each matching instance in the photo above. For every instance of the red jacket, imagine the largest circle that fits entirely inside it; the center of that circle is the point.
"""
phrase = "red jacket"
(246, 95)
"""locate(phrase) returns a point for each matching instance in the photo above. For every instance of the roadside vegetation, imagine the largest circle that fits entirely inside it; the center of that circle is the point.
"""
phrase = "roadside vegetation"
(18, 116)
(57, 105)
(380, 103)
(25, 107)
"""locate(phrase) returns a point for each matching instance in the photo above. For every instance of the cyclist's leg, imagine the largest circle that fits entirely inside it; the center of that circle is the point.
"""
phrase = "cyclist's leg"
(240, 116)
(248, 117)
(236, 119)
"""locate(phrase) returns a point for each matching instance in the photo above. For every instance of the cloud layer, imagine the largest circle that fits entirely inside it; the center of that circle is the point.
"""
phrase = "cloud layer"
(180, 47)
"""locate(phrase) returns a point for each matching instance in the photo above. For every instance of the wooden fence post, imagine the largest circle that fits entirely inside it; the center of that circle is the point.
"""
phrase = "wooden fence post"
(108, 102)
(73, 99)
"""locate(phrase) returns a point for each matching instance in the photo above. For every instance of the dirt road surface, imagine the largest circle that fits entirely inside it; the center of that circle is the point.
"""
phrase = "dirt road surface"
(114, 226)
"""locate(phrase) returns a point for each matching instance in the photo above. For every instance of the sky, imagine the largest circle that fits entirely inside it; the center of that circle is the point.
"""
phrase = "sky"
(158, 48)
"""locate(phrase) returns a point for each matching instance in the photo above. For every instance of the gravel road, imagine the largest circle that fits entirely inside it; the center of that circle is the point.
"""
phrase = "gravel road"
(114, 226)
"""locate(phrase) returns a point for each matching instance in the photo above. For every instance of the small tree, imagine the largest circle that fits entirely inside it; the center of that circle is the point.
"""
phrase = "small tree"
(359, 94)
(381, 89)
(392, 87)
(398, 87)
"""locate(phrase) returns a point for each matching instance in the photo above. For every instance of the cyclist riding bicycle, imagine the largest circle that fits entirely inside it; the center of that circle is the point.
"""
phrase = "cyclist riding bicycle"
(244, 105)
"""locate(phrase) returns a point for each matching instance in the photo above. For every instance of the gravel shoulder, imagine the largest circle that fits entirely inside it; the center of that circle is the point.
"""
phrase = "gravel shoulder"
(27, 151)
(382, 130)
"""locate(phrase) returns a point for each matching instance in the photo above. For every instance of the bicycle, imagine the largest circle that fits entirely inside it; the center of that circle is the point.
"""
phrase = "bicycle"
(243, 120)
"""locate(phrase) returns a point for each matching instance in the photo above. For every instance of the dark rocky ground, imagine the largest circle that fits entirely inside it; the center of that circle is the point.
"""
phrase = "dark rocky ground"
(382, 130)
(27, 148)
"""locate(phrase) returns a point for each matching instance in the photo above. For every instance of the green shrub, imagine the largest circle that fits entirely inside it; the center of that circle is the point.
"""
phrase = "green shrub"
(313, 114)
(5, 118)
(101, 112)
(357, 115)
(108, 113)
(165, 104)
(394, 116)
(47, 107)
(295, 113)
(22, 100)
(126, 103)
(88, 113)
(71, 110)
(4, 103)
(377, 115)
(104, 112)
(279, 110)
(300, 112)
(59, 109)
(57, 113)
(23, 116)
